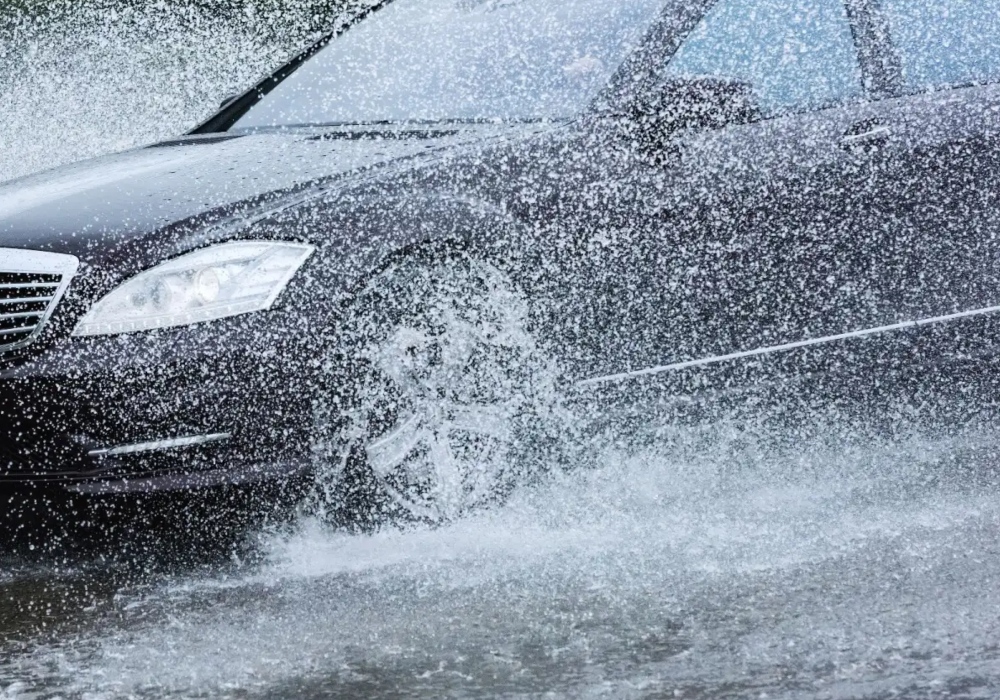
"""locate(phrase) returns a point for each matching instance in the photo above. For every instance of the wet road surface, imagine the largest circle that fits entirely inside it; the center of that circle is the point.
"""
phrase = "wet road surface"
(644, 577)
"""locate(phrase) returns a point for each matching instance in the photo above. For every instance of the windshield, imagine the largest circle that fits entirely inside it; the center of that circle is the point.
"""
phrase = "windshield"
(463, 60)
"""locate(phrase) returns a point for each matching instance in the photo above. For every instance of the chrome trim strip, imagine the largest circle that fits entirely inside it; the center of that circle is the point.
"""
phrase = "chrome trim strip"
(157, 445)
(881, 132)
(785, 347)
(15, 331)
(27, 285)
(25, 300)
(21, 314)
(17, 260)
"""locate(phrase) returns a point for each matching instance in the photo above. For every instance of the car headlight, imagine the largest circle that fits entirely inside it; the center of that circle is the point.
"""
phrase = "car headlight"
(224, 280)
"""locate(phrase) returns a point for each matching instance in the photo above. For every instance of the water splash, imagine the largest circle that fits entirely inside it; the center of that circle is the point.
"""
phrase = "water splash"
(627, 571)
(704, 562)
(86, 78)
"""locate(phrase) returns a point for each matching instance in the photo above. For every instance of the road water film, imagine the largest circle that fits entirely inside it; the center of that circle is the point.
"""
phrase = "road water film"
(694, 563)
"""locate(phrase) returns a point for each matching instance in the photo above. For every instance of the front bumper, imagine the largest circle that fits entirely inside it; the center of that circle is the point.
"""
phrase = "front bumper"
(132, 413)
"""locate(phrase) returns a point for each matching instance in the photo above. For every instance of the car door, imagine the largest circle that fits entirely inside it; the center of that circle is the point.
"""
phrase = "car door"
(936, 155)
(759, 233)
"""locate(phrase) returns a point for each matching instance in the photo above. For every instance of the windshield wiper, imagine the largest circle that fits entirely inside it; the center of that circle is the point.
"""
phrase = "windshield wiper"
(388, 128)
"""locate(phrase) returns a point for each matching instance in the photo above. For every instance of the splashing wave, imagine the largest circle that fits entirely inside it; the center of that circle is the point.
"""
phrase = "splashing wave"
(85, 78)
(647, 573)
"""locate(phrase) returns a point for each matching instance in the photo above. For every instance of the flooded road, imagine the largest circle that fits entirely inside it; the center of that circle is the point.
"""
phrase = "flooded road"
(687, 569)
(643, 578)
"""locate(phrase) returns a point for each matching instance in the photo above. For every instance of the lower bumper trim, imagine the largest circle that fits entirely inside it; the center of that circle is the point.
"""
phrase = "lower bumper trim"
(158, 445)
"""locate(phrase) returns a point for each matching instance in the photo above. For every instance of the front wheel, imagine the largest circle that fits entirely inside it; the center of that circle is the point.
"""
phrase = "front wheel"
(448, 391)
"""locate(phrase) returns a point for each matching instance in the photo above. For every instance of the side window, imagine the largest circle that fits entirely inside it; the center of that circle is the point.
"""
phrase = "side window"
(947, 42)
(794, 55)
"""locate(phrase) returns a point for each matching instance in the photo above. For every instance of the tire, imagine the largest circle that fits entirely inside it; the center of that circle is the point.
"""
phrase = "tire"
(446, 392)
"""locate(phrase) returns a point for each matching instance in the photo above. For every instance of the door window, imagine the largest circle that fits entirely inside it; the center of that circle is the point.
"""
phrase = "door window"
(795, 55)
(946, 42)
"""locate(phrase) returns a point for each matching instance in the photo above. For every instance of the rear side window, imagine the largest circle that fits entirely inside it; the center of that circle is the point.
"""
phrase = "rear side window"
(796, 55)
(946, 43)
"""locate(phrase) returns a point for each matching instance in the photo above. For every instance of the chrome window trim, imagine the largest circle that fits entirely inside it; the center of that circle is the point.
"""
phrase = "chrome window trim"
(17, 260)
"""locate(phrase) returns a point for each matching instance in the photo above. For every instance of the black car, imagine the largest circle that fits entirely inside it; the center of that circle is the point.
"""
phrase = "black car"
(388, 260)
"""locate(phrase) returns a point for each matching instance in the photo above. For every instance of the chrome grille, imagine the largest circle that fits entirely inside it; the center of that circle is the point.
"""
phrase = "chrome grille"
(31, 285)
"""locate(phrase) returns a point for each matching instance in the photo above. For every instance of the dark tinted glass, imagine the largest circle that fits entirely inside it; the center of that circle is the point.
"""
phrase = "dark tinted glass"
(795, 54)
(946, 42)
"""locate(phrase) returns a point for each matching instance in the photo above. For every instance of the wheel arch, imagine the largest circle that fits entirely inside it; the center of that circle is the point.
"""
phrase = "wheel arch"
(432, 224)
(378, 232)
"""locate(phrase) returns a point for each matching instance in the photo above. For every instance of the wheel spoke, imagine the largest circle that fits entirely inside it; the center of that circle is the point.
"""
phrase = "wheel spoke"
(449, 351)
(390, 451)
(448, 489)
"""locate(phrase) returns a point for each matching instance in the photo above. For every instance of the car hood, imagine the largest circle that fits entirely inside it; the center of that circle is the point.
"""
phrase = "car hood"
(91, 205)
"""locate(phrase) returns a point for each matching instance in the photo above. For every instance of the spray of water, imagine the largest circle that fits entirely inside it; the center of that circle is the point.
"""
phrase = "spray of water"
(85, 78)
(696, 563)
